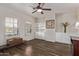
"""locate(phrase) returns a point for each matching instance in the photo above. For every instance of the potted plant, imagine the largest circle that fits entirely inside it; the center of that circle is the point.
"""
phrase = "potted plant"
(65, 26)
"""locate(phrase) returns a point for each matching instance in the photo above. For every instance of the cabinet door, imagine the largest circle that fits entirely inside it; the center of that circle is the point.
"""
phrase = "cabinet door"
(76, 47)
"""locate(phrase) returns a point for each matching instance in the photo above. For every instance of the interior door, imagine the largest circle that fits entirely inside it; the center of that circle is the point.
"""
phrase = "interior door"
(28, 31)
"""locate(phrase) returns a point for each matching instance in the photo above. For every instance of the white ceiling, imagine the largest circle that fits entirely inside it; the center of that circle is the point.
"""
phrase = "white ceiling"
(56, 8)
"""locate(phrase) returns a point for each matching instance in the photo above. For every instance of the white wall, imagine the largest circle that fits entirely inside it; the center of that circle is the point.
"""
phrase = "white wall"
(22, 24)
(63, 38)
(69, 17)
(47, 34)
(2, 38)
(6, 11)
(58, 35)
(50, 35)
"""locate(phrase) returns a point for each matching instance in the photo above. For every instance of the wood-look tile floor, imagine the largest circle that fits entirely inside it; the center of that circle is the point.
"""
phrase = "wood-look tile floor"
(40, 48)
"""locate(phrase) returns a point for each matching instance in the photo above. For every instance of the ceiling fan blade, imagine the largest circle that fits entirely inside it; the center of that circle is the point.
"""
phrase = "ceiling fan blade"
(42, 12)
(34, 11)
(34, 7)
(46, 9)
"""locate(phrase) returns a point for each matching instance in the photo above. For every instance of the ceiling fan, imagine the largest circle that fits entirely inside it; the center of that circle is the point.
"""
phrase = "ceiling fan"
(39, 8)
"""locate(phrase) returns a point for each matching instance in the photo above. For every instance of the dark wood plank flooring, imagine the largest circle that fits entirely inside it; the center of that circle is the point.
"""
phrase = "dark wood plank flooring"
(41, 48)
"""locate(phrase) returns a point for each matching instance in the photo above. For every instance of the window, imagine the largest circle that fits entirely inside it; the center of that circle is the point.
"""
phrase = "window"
(77, 25)
(40, 27)
(10, 26)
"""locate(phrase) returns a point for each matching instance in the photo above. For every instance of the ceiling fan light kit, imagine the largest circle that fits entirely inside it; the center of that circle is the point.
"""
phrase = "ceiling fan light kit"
(39, 10)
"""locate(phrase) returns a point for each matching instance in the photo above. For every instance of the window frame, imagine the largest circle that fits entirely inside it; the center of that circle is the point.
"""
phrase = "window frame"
(14, 30)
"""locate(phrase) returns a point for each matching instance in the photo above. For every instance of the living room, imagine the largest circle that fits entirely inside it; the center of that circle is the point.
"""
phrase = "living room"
(56, 26)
